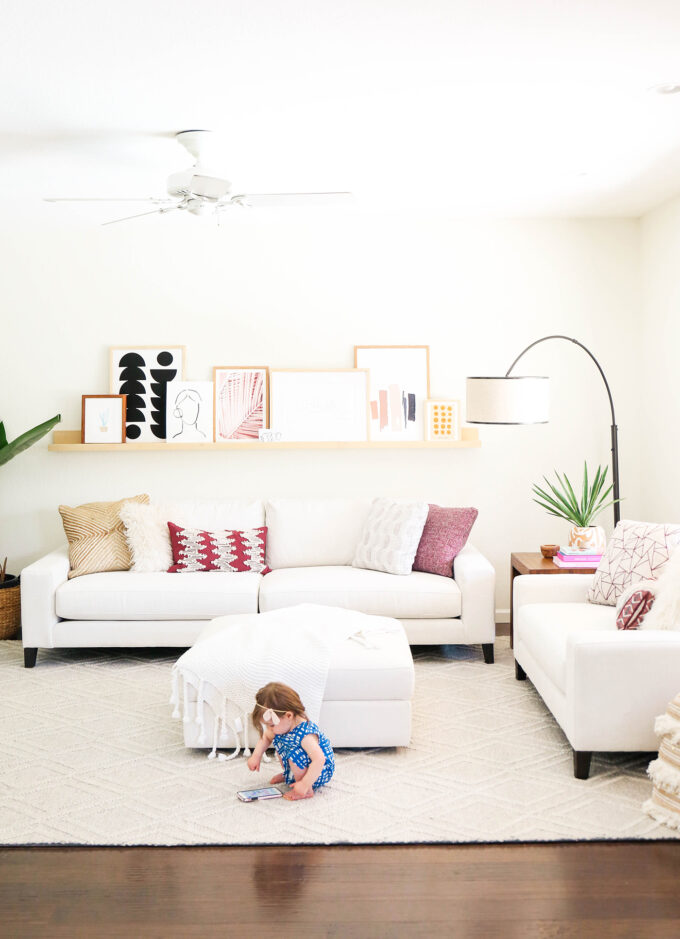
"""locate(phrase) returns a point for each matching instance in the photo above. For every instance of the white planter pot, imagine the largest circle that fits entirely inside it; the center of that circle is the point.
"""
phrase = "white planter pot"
(591, 540)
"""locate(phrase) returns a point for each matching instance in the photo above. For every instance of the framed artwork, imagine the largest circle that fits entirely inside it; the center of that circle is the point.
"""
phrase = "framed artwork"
(309, 405)
(399, 385)
(142, 374)
(241, 402)
(189, 414)
(103, 419)
(442, 420)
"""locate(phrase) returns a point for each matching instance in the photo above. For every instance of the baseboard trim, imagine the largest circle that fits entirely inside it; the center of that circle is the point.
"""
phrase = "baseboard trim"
(503, 615)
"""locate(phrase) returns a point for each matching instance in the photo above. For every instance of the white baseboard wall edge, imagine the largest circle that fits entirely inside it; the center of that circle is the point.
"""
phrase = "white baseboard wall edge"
(503, 615)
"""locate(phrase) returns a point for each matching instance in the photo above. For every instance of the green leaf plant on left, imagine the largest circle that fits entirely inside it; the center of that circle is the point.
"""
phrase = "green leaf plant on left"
(560, 499)
(12, 448)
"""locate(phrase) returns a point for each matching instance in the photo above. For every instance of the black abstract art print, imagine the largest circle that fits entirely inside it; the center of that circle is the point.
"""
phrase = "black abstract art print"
(143, 374)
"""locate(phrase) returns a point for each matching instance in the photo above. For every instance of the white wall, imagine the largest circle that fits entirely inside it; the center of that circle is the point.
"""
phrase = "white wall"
(657, 379)
(301, 290)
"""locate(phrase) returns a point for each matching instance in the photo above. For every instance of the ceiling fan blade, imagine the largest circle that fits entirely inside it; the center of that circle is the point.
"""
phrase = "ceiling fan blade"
(284, 199)
(127, 218)
(132, 199)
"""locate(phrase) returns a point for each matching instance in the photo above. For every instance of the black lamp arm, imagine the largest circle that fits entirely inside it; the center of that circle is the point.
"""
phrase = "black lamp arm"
(614, 428)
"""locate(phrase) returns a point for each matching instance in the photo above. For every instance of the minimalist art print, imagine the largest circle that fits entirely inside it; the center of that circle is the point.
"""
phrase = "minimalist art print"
(399, 386)
(142, 374)
(103, 419)
(241, 402)
(320, 405)
(442, 420)
(189, 416)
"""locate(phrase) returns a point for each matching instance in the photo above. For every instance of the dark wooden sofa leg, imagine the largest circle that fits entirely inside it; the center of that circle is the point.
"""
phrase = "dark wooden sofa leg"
(520, 674)
(582, 763)
(30, 656)
(487, 649)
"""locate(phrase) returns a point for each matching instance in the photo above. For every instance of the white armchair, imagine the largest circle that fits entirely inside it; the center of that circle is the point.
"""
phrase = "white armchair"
(604, 686)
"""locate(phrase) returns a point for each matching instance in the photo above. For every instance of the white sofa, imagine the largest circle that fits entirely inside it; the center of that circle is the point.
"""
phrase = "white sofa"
(310, 544)
(604, 686)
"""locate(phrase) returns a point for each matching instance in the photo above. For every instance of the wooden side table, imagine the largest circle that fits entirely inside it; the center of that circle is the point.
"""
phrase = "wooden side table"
(535, 563)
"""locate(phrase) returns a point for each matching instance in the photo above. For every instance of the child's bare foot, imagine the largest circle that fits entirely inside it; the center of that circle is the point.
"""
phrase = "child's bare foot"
(292, 796)
(277, 779)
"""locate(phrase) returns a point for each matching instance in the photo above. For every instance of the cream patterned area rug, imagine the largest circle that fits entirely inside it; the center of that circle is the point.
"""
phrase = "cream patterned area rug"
(89, 754)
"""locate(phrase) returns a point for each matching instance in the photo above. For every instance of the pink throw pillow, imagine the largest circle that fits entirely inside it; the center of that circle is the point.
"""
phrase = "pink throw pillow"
(230, 551)
(444, 536)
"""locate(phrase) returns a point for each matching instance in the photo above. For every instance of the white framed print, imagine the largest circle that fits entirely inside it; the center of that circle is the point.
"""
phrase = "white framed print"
(143, 373)
(442, 420)
(241, 402)
(189, 414)
(399, 386)
(103, 419)
(319, 405)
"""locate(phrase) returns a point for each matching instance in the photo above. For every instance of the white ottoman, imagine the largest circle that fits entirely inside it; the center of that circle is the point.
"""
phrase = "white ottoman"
(367, 701)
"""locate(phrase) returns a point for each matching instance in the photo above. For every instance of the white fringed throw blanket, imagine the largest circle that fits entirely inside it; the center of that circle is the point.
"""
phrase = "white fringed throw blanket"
(243, 653)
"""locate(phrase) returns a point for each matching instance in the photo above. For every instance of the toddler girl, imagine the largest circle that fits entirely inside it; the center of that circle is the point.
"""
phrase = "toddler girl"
(304, 751)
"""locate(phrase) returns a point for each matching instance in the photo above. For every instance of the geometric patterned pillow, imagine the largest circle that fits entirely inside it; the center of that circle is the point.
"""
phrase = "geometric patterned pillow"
(634, 604)
(96, 536)
(637, 551)
(230, 551)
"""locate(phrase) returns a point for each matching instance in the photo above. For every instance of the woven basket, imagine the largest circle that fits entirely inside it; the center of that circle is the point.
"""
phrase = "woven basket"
(10, 608)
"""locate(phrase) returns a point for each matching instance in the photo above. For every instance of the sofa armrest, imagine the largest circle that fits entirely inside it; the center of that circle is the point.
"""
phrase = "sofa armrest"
(617, 682)
(549, 588)
(39, 582)
(476, 579)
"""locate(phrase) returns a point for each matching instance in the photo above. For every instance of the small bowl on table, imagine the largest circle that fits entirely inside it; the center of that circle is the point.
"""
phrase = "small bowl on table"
(549, 550)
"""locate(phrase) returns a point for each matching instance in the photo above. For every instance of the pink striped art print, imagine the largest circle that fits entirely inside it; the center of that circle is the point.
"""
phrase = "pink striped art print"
(241, 402)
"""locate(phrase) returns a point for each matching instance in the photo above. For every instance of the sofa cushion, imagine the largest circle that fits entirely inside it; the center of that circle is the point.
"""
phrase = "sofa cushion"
(390, 536)
(444, 536)
(636, 551)
(415, 596)
(123, 595)
(543, 628)
(313, 532)
(234, 552)
(96, 536)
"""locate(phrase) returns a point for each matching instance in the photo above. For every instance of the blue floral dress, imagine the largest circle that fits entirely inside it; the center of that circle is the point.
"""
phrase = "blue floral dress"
(289, 747)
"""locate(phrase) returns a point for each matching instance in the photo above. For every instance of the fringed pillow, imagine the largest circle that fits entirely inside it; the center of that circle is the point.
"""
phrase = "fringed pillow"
(634, 604)
(664, 772)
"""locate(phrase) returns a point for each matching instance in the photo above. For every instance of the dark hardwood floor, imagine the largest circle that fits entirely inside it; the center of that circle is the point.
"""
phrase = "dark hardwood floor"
(601, 889)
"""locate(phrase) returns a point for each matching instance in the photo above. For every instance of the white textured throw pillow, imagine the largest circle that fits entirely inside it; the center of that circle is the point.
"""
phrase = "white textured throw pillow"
(147, 536)
(390, 536)
(665, 613)
(637, 551)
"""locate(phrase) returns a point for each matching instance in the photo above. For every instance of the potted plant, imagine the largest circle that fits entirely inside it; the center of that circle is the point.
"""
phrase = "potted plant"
(10, 597)
(560, 500)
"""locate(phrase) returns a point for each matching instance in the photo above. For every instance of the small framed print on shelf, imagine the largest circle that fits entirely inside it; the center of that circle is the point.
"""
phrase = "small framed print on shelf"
(103, 419)
(442, 420)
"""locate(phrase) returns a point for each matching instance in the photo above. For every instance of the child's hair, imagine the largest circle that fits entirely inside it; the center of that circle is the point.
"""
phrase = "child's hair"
(278, 698)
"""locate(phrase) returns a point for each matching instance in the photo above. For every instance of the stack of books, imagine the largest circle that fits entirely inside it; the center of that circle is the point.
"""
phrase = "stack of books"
(572, 557)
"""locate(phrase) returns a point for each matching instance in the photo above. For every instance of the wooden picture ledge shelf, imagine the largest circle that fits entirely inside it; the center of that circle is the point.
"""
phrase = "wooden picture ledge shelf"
(68, 441)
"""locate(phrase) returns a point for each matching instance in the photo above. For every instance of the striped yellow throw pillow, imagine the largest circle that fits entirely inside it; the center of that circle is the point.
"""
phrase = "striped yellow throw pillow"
(96, 536)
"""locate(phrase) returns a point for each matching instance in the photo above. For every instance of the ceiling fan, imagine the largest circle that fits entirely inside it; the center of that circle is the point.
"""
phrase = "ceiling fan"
(195, 191)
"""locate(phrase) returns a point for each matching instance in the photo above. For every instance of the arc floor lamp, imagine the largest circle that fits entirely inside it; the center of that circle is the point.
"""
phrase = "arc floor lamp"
(523, 399)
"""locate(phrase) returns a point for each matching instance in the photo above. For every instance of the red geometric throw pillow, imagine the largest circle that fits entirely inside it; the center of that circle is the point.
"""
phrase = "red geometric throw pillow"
(444, 535)
(634, 609)
(230, 551)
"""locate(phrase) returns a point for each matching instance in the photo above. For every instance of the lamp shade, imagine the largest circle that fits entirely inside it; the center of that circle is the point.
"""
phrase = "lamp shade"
(508, 400)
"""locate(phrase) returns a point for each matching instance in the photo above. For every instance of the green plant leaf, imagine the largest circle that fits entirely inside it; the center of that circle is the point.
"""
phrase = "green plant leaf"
(3, 435)
(9, 450)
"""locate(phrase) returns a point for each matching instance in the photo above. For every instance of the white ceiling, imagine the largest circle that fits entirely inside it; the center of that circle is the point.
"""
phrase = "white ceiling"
(509, 107)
